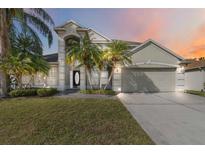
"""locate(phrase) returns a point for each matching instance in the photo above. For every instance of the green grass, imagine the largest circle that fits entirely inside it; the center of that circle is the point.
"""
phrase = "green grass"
(68, 121)
(102, 92)
(200, 93)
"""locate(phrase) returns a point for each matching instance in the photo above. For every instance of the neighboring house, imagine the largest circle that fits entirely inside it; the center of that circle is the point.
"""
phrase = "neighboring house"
(195, 75)
(154, 67)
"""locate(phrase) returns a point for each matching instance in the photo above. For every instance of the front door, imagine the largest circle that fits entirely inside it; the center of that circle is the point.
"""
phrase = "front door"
(76, 79)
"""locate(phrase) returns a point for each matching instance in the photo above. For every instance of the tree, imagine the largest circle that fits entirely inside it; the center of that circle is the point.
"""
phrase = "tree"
(115, 54)
(30, 19)
(24, 43)
(25, 57)
(86, 53)
(16, 65)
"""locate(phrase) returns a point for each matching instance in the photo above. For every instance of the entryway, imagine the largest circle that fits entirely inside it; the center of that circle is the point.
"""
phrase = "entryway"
(74, 79)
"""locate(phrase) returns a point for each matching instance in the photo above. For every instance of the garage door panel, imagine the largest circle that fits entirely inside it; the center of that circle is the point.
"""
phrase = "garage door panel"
(148, 80)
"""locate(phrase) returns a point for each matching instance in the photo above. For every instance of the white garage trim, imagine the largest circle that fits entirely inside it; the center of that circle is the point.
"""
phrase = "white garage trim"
(150, 62)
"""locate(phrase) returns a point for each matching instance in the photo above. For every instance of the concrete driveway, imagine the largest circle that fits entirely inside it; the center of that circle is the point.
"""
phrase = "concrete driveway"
(169, 118)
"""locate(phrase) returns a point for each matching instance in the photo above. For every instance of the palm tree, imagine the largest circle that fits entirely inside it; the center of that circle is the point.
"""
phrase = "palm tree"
(24, 43)
(27, 18)
(17, 65)
(115, 54)
(86, 53)
(25, 57)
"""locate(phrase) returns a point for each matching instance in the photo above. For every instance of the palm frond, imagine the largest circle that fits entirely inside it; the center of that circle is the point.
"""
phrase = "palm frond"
(42, 27)
(43, 14)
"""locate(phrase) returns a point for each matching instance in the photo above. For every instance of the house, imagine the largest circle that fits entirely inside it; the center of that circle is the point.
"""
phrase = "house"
(195, 75)
(154, 67)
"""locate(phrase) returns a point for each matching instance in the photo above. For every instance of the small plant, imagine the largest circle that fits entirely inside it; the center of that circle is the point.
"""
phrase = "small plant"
(46, 92)
(23, 92)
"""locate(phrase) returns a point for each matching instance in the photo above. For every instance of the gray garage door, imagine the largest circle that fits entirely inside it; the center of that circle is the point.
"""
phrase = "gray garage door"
(148, 79)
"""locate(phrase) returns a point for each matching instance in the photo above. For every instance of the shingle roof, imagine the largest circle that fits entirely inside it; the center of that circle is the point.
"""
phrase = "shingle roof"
(195, 65)
(51, 57)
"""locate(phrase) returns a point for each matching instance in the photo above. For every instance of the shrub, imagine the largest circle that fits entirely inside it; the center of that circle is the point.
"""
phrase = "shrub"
(46, 92)
(200, 93)
(23, 92)
(103, 92)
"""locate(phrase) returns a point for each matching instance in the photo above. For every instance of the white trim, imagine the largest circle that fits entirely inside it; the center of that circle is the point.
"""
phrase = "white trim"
(149, 62)
(68, 22)
(159, 45)
(71, 79)
(100, 34)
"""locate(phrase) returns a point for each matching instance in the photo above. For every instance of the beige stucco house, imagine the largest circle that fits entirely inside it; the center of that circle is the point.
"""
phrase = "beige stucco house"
(154, 67)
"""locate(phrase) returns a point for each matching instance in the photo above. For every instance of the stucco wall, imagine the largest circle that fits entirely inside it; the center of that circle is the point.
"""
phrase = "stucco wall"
(41, 80)
(194, 79)
(52, 78)
(153, 53)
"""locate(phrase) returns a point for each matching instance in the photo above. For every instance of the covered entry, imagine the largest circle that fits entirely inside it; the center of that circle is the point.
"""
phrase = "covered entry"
(148, 79)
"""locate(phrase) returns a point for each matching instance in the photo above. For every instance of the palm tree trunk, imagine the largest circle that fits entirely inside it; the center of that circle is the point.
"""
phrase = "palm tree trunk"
(110, 77)
(4, 48)
(19, 83)
(100, 84)
(88, 77)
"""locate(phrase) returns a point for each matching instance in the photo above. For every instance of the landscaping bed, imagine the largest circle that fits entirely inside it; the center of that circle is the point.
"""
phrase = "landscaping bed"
(33, 92)
(101, 92)
(200, 93)
(68, 121)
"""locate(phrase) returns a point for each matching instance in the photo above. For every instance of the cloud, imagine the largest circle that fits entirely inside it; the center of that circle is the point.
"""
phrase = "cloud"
(196, 47)
(182, 30)
(142, 24)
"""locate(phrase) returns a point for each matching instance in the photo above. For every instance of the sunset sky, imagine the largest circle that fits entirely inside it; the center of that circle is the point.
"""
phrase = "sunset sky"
(181, 30)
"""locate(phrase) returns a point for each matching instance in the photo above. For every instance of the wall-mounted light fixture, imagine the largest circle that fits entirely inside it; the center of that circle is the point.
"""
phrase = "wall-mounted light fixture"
(117, 69)
(180, 69)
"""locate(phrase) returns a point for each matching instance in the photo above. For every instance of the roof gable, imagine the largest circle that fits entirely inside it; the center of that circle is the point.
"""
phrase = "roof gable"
(150, 41)
(97, 37)
(67, 23)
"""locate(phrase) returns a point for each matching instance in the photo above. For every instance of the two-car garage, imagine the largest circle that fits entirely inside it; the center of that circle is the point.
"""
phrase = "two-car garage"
(154, 68)
(148, 79)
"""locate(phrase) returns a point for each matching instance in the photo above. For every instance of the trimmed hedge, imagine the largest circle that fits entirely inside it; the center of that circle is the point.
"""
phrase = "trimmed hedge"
(23, 92)
(33, 92)
(102, 92)
(46, 92)
(194, 92)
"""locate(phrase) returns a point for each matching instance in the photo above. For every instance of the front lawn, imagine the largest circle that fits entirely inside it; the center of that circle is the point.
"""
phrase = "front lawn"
(200, 93)
(68, 121)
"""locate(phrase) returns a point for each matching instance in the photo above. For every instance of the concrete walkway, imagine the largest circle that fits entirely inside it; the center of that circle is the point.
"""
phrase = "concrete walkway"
(169, 118)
